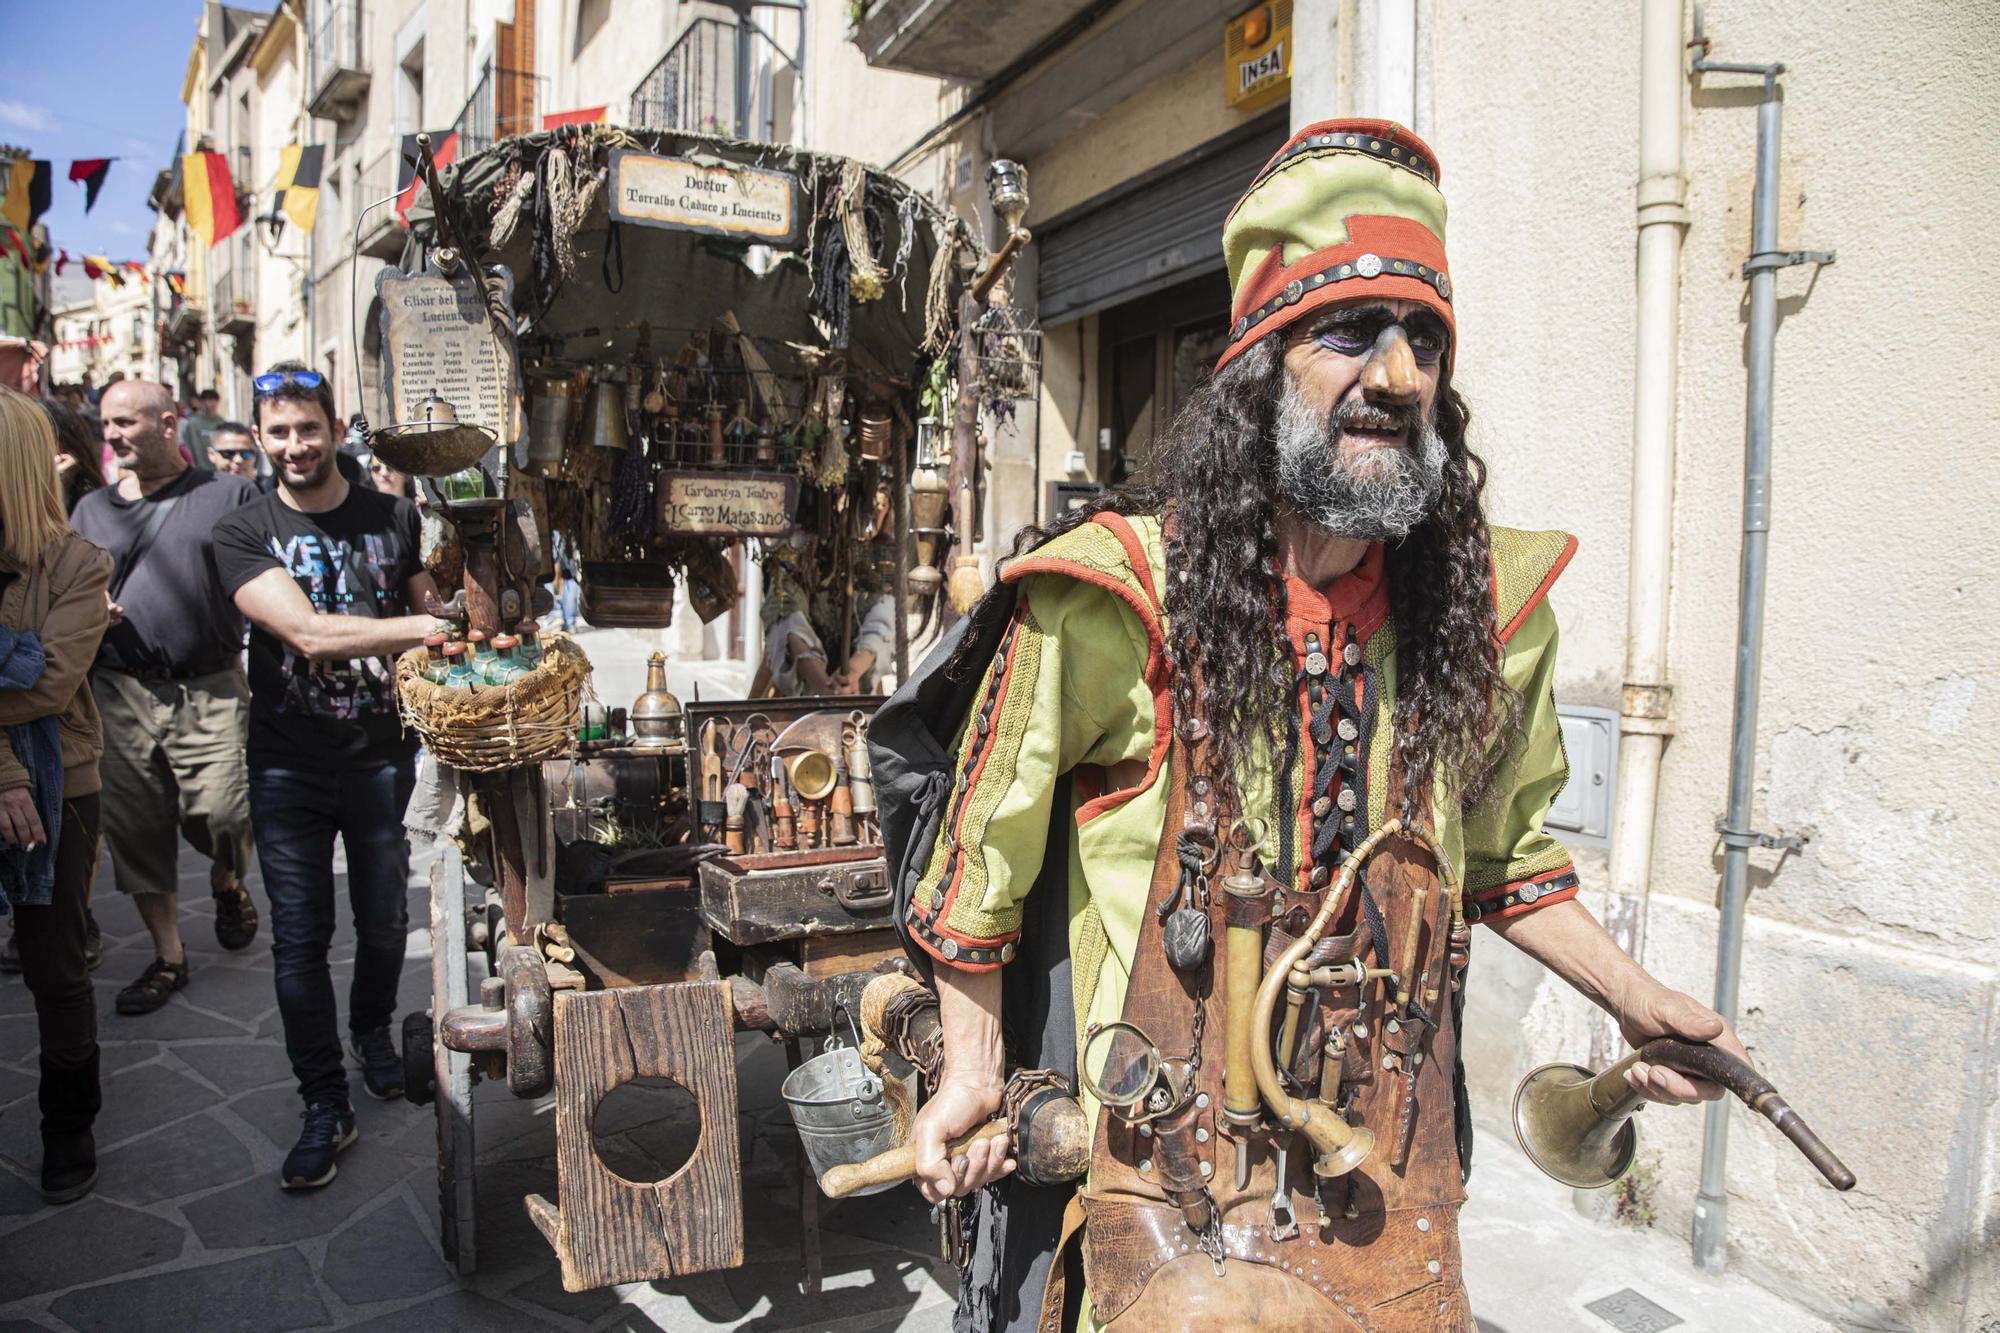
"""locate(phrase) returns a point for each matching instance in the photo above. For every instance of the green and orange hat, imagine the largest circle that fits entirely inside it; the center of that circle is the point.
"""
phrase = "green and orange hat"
(1346, 208)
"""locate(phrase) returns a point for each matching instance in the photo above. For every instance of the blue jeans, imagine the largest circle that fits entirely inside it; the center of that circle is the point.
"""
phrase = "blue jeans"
(296, 814)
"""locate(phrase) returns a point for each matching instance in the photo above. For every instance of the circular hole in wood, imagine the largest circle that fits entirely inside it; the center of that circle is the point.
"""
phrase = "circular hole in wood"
(646, 1130)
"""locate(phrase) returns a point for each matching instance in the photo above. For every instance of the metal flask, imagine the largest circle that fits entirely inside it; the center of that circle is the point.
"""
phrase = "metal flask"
(607, 416)
(548, 424)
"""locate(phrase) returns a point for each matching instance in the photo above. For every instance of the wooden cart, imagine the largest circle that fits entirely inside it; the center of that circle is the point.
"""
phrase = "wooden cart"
(556, 965)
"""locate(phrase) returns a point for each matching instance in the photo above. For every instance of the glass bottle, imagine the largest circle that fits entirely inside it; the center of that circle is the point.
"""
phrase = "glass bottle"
(434, 664)
(503, 669)
(458, 672)
(479, 652)
(528, 649)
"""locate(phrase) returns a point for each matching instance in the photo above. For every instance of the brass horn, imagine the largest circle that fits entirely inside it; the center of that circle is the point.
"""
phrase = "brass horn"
(1340, 1146)
(1577, 1126)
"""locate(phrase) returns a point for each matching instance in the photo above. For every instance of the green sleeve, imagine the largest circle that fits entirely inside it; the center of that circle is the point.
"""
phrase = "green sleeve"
(1512, 864)
(1067, 688)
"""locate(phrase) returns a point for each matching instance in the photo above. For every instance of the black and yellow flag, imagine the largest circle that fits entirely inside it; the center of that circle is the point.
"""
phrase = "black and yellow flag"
(299, 169)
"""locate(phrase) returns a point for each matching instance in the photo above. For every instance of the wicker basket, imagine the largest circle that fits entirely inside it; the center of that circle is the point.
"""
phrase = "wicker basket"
(497, 727)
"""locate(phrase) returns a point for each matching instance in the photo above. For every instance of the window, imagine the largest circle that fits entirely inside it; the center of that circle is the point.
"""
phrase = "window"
(410, 91)
(1153, 351)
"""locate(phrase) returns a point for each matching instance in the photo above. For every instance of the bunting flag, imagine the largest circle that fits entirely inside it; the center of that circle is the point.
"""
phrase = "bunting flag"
(91, 171)
(27, 195)
(20, 246)
(298, 183)
(178, 283)
(97, 266)
(444, 150)
(210, 196)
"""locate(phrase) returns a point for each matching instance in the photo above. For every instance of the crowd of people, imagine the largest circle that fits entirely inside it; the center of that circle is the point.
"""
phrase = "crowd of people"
(198, 623)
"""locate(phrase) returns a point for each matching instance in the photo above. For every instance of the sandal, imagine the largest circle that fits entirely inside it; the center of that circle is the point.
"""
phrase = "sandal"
(160, 980)
(235, 914)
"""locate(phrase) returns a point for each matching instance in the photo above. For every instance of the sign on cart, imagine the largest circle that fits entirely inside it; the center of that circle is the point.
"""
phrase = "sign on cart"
(750, 203)
(732, 504)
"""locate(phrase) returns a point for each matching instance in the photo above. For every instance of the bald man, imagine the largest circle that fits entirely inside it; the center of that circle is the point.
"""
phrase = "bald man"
(169, 684)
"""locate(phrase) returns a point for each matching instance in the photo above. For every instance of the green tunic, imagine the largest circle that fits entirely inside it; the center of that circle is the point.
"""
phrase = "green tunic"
(1080, 687)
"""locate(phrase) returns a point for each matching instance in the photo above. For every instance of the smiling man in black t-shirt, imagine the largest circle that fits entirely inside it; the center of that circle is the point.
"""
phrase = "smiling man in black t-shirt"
(326, 573)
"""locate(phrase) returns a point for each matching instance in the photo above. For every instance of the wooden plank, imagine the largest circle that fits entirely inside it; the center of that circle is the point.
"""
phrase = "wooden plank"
(616, 1230)
(830, 955)
(452, 986)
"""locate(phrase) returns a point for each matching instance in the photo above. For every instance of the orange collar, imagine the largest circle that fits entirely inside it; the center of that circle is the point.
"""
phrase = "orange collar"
(1360, 598)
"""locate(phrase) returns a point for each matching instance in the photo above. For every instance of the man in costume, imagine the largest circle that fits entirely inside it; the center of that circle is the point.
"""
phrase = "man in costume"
(1200, 702)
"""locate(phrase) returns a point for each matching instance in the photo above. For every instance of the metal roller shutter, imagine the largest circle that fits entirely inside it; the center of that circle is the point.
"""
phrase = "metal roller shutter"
(1151, 235)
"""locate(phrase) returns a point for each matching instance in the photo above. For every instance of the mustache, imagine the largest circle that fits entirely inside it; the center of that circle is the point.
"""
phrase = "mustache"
(1360, 414)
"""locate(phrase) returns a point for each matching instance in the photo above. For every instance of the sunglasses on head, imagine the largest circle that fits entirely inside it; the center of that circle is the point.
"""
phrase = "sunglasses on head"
(278, 380)
(236, 455)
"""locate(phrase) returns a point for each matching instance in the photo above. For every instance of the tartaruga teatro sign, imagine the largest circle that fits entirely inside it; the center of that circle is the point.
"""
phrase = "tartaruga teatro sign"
(733, 504)
(749, 203)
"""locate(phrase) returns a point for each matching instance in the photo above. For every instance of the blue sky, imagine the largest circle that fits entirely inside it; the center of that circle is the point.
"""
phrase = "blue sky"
(96, 78)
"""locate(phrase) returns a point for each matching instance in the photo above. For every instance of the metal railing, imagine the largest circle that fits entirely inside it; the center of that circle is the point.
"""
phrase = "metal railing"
(340, 42)
(235, 296)
(503, 104)
(693, 88)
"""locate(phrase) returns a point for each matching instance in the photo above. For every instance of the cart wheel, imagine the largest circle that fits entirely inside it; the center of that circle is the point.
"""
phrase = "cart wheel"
(451, 1071)
(419, 1067)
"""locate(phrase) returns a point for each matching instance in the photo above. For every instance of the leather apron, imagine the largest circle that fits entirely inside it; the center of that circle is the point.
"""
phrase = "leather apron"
(1375, 1249)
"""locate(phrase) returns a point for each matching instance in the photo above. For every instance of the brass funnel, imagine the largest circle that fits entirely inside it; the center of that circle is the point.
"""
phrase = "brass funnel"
(812, 774)
(1577, 1127)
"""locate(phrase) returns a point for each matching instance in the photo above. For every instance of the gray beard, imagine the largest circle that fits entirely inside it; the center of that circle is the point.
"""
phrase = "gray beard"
(1380, 496)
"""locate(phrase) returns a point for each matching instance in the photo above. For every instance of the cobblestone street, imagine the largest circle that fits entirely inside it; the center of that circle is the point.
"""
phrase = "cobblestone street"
(188, 1228)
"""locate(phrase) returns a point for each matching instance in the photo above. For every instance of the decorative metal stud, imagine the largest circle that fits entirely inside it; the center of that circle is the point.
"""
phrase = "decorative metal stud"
(1346, 270)
(1207, 1170)
(1444, 286)
(1530, 892)
(1347, 799)
(1348, 731)
(937, 900)
(1201, 1136)
(949, 949)
(1423, 1224)
(1369, 265)
(1435, 1267)
(1242, 327)
(1293, 291)
(1351, 654)
(1146, 1166)
(1007, 952)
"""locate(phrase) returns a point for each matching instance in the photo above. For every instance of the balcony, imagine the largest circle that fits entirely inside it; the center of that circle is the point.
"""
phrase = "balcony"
(339, 63)
(693, 88)
(382, 232)
(971, 40)
(235, 307)
(503, 104)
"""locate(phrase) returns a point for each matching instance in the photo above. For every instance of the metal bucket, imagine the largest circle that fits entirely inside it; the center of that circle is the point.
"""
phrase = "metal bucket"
(840, 1111)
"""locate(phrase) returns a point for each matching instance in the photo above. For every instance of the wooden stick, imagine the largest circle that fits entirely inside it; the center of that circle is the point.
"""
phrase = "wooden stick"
(897, 1164)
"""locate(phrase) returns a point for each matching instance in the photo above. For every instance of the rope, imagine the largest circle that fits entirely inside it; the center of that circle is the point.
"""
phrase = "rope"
(520, 188)
(866, 278)
(876, 998)
(937, 296)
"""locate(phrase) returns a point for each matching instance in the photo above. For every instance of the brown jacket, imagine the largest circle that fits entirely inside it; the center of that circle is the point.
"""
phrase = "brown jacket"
(60, 598)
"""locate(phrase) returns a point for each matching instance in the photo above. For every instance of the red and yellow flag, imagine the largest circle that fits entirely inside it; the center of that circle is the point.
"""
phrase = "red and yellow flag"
(211, 197)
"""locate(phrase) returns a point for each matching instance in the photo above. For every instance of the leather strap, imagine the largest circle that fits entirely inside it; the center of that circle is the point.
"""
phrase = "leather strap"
(1055, 1288)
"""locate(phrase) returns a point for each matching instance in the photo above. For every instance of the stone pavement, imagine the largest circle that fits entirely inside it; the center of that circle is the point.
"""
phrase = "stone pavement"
(189, 1230)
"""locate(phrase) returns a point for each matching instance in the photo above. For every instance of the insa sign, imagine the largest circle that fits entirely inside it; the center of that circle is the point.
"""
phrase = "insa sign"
(1257, 56)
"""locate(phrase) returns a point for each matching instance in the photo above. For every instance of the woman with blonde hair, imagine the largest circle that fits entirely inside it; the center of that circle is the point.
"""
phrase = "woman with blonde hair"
(53, 613)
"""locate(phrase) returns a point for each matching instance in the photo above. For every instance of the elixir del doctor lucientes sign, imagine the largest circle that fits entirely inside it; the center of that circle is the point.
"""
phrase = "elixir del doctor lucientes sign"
(717, 198)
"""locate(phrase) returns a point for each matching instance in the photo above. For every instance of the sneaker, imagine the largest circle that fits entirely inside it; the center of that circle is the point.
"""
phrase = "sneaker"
(381, 1064)
(328, 1130)
(235, 914)
(160, 980)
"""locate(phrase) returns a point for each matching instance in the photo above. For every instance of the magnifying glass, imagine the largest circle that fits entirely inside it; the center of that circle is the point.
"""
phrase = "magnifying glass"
(1122, 1068)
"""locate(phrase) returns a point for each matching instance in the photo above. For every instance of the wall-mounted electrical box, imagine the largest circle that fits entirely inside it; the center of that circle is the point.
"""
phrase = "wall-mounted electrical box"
(1582, 812)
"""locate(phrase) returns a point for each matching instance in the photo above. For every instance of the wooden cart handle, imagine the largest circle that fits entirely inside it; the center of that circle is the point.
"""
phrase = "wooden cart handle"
(896, 1164)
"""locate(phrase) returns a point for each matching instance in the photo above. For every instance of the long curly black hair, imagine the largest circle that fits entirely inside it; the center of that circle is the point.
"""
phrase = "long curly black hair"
(1215, 473)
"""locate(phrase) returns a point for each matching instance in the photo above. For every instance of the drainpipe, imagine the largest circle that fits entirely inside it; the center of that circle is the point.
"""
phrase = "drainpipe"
(1645, 712)
(1711, 1209)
